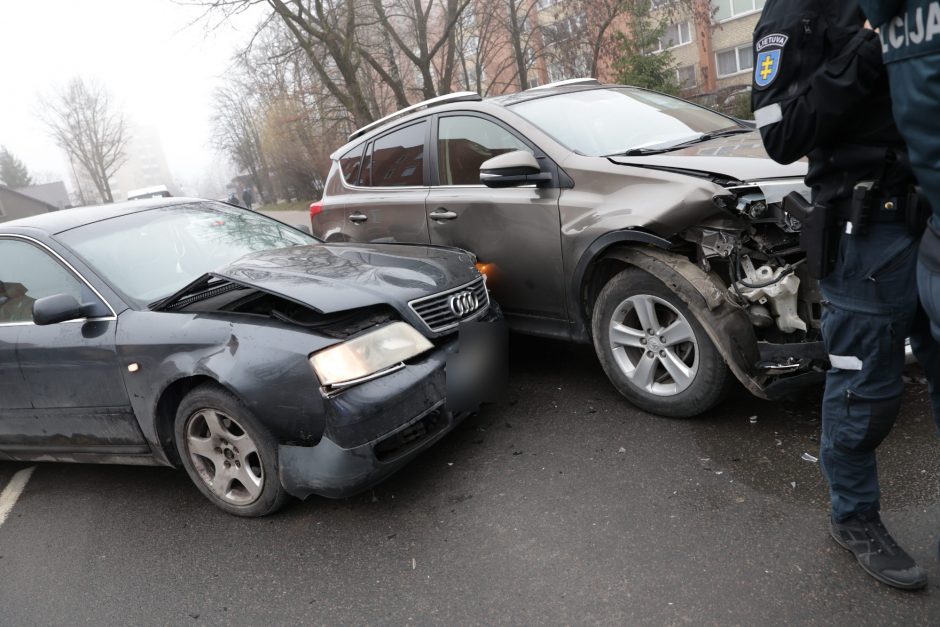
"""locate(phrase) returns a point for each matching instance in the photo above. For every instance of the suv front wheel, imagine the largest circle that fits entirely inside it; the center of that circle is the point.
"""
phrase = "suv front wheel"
(653, 349)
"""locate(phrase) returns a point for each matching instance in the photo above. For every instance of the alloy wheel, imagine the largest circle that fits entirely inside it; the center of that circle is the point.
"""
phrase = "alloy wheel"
(654, 345)
(224, 456)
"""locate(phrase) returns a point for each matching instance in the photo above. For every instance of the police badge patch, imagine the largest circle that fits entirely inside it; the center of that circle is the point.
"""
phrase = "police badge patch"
(769, 57)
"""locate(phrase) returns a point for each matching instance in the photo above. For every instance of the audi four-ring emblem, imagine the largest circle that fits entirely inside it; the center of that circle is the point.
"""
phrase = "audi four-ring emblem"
(463, 303)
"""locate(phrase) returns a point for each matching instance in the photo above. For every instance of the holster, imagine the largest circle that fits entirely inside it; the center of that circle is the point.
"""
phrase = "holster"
(816, 233)
(918, 212)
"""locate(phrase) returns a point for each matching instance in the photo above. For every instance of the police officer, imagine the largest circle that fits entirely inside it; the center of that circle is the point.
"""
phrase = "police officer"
(820, 90)
(910, 39)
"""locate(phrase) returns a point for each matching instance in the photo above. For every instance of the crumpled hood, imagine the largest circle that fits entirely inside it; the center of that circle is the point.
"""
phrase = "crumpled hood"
(740, 157)
(337, 277)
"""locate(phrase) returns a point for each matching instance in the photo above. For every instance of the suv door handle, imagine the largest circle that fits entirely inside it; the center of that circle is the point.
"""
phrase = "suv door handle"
(442, 214)
(358, 218)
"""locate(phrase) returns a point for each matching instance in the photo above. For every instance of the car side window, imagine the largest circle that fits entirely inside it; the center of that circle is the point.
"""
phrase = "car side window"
(349, 163)
(28, 273)
(365, 174)
(464, 142)
(398, 158)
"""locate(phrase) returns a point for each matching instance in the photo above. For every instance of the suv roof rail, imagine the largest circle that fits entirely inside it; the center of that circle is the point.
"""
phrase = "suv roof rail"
(460, 96)
(570, 81)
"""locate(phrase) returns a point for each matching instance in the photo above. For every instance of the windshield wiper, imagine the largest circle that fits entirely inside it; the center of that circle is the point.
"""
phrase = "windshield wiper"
(633, 152)
(201, 284)
(703, 137)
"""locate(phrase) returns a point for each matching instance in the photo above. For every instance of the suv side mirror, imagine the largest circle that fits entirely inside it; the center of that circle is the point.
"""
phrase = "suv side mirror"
(60, 308)
(513, 169)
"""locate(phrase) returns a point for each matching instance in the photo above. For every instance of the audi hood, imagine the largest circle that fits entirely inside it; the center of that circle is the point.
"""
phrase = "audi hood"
(337, 277)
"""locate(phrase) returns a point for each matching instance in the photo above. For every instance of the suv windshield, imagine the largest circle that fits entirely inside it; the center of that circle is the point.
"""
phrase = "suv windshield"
(151, 254)
(598, 122)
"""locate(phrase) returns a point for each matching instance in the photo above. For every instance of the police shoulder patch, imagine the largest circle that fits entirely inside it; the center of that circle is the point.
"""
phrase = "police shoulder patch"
(769, 58)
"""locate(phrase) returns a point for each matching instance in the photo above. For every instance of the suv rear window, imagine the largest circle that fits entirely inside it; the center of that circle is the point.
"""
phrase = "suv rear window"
(349, 164)
(398, 158)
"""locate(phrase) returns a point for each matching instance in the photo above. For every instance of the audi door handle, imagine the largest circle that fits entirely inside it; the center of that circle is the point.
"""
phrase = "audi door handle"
(442, 214)
(358, 218)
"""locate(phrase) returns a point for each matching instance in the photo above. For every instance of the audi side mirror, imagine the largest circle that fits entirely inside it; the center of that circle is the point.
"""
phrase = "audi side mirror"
(513, 169)
(60, 308)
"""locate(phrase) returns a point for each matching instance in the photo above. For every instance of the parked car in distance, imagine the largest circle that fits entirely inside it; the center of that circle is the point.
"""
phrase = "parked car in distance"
(154, 191)
(194, 333)
(643, 223)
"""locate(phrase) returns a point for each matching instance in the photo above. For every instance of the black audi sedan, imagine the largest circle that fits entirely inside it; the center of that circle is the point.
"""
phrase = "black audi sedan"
(188, 332)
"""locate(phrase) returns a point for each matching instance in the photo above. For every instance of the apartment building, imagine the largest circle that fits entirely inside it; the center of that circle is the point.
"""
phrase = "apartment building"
(709, 40)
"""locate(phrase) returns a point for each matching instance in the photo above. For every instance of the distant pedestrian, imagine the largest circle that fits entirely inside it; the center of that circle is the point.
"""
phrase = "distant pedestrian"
(233, 198)
(247, 197)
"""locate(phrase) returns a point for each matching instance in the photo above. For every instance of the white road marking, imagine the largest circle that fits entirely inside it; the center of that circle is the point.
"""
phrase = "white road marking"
(13, 491)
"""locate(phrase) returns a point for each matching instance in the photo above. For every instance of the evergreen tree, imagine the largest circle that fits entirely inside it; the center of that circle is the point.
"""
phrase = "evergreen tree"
(637, 64)
(12, 171)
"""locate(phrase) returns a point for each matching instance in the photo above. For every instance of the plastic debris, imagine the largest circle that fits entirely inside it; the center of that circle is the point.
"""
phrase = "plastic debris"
(622, 450)
(793, 484)
(414, 563)
(753, 420)
(809, 458)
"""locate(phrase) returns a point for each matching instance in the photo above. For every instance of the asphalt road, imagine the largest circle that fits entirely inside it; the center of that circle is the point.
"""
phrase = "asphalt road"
(559, 505)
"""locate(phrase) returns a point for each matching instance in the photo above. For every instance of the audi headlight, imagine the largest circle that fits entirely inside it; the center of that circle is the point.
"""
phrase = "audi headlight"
(368, 354)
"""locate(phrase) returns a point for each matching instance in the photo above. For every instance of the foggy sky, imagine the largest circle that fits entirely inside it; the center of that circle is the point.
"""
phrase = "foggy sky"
(159, 69)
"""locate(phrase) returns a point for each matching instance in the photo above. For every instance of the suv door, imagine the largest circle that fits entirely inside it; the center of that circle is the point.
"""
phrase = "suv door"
(73, 398)
(387, 203)
(514, 230)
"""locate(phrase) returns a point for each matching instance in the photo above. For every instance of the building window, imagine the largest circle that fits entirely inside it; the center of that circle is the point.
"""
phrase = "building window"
(563, 29)
(734, 60)
(686, 76)
(675, 35)
(728, 9)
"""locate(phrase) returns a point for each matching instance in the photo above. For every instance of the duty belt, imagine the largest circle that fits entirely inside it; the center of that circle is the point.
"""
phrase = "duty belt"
(887, 209)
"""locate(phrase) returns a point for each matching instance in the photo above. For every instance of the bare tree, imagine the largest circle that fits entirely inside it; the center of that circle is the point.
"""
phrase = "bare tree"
(237, 127)
(85, 123)
(349, 43)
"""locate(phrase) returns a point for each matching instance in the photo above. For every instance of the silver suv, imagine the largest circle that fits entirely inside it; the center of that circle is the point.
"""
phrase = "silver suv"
(645, 224)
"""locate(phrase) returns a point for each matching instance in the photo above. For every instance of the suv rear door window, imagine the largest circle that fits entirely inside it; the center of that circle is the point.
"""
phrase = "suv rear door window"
(349, 163)
(398, 158)
(464, 142)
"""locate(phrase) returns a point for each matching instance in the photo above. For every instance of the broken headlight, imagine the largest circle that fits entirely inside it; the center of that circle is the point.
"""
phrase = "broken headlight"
(368, 354)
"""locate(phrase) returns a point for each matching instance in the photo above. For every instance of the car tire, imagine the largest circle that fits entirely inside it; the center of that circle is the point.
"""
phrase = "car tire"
(227, 453)
(679, 375)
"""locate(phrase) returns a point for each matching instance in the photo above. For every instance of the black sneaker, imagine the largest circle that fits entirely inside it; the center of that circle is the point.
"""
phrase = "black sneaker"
(877, 552)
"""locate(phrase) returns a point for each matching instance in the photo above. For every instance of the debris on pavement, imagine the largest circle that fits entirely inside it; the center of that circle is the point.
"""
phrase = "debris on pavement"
(809, 458)
(753, 420)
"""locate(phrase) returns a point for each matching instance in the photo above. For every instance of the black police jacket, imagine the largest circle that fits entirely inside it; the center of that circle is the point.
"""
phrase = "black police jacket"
(820, 90)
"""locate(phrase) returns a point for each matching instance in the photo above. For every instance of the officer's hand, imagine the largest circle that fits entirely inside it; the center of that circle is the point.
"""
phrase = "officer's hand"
(869, 27)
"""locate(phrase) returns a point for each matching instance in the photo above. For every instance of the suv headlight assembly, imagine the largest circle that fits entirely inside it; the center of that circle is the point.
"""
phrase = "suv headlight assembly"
(369, 355)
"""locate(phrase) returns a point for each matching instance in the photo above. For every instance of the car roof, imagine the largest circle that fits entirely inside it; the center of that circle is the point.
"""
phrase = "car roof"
(65, 219)
(544, 92)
